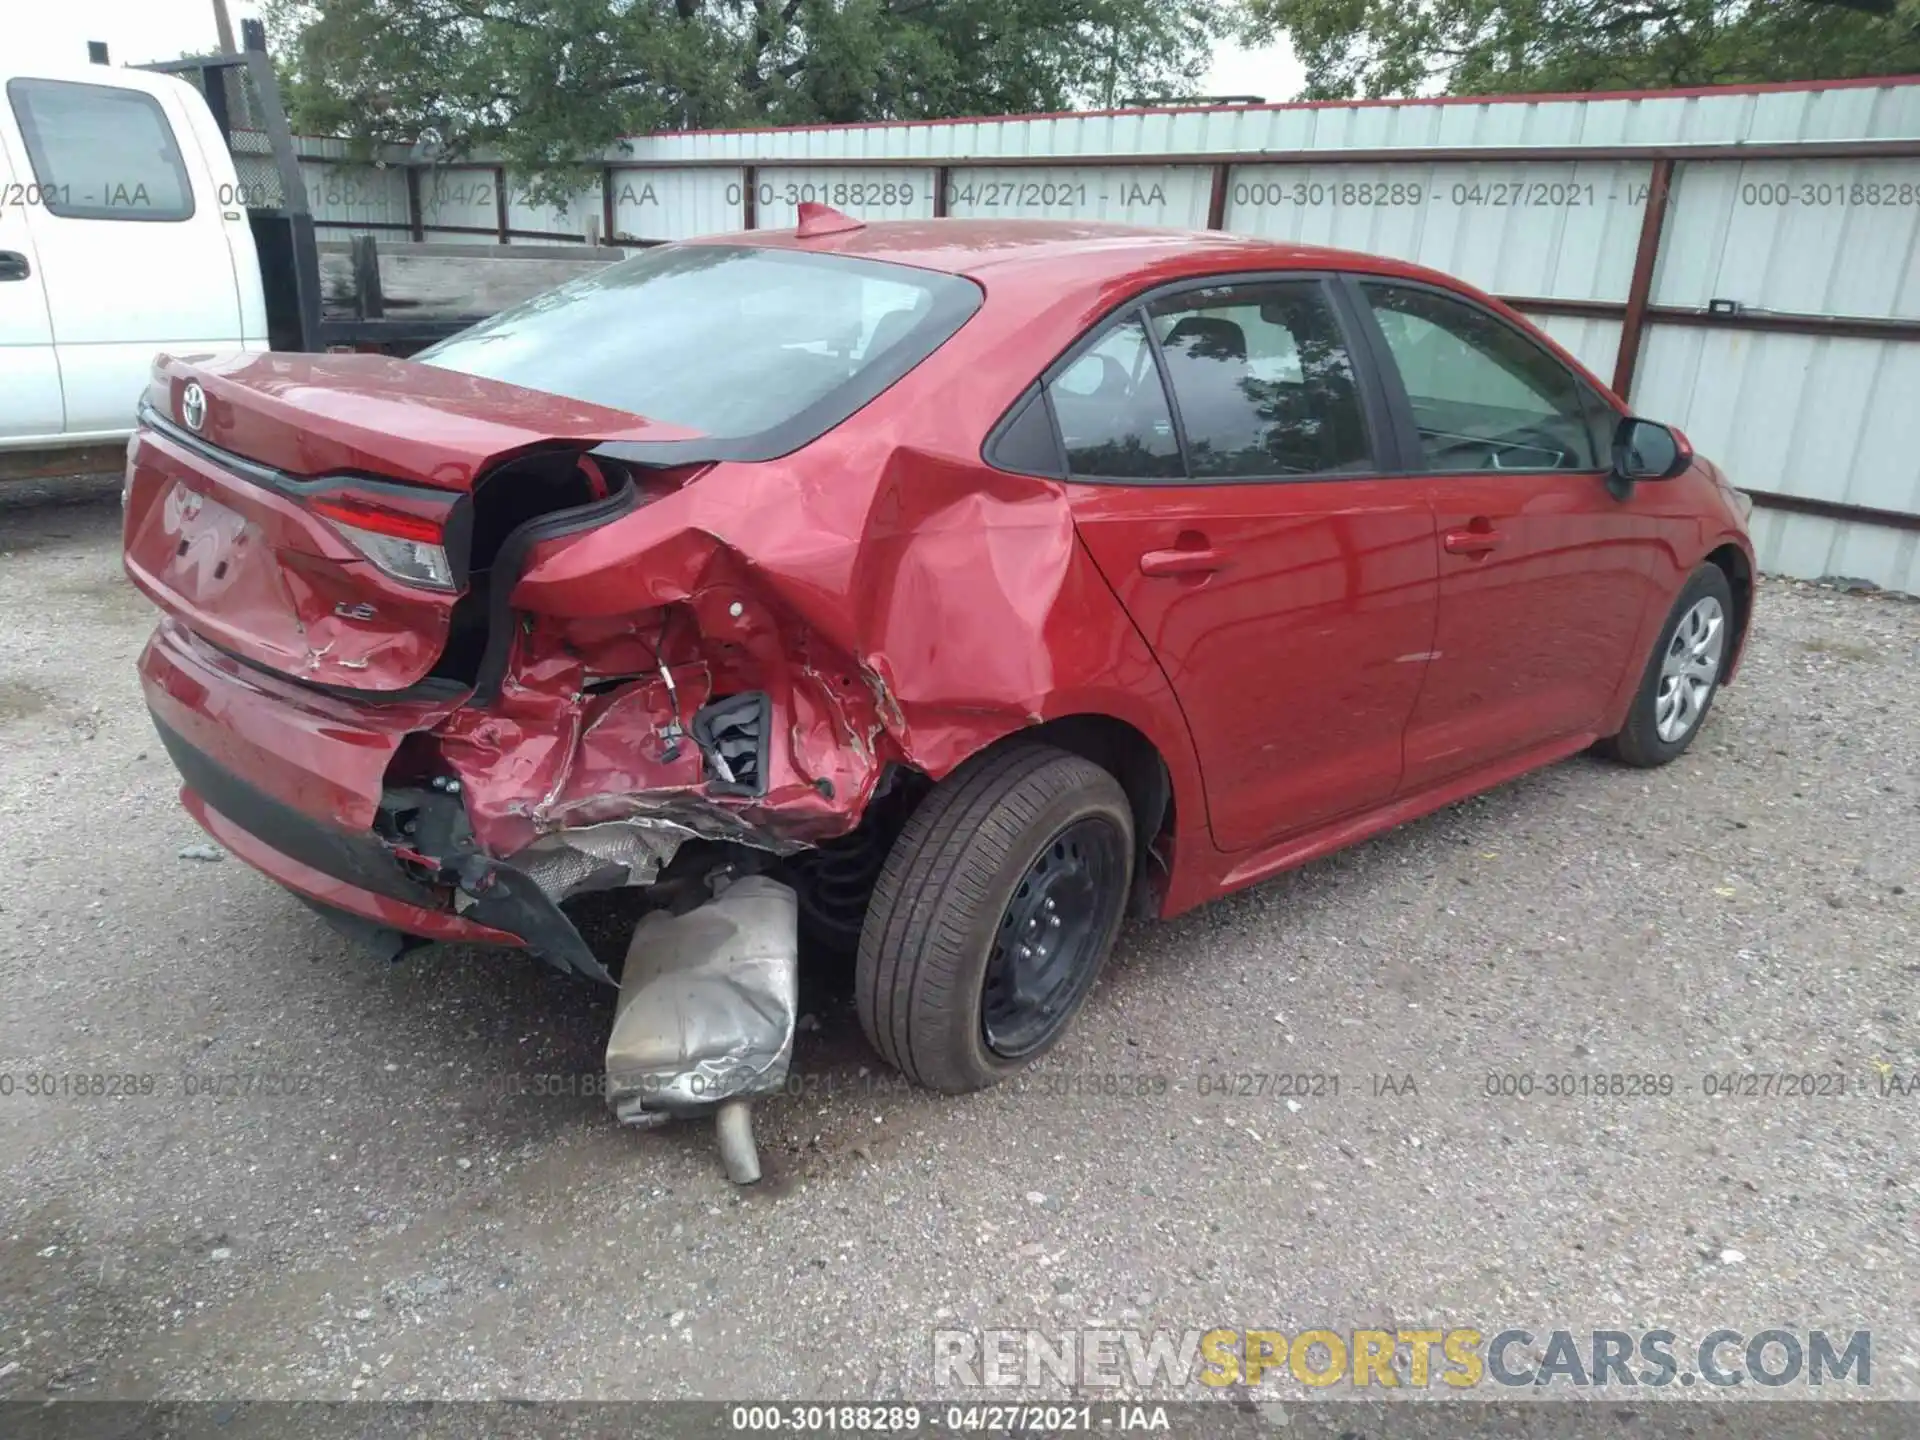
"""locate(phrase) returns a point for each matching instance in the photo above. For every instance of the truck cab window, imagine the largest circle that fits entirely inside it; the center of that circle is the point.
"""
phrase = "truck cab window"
(101, 152)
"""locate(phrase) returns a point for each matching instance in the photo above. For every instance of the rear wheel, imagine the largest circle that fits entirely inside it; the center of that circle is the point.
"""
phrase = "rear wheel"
(1682, 674)
(993, 915)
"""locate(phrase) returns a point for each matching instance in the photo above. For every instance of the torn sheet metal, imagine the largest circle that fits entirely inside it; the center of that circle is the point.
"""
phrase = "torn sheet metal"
(602, 857)
(707, 1005)
(754, 617)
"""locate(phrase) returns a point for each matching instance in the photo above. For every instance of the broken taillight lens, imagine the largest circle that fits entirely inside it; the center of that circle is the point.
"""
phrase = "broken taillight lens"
(410, 548)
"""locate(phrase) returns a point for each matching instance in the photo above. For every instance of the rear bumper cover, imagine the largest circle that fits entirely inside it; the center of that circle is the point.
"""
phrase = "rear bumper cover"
(465, 896)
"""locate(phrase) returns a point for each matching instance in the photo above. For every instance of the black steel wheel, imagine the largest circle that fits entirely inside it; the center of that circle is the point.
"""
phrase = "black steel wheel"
(996, 909)
(1047, 950)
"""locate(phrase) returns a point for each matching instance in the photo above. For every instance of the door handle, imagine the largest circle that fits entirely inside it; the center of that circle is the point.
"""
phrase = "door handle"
(1477, 539)
(1182, 562)
(13, 265)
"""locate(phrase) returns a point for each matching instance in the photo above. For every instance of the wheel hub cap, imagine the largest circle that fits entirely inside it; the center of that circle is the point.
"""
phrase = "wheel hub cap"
(1690, 669)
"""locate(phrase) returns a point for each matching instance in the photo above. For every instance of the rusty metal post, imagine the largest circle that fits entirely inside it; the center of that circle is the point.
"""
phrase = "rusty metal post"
(1217, 200)
(1652, 223)
(416, 215)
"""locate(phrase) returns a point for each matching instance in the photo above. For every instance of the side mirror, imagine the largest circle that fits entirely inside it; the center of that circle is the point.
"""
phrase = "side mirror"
(1648, 450)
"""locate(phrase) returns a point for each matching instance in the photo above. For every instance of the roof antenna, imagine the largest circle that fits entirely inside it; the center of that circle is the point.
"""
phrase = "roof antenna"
(825, 220)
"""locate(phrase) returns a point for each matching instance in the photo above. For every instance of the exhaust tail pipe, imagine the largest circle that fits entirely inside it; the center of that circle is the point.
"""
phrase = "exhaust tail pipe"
(706, 1015)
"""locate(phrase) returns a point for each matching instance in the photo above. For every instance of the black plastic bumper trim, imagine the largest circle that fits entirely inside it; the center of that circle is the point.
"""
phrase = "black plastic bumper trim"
(504, 898)
(355, 859)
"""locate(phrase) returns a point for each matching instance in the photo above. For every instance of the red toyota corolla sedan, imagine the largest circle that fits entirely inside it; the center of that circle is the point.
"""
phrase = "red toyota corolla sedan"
(979, 579)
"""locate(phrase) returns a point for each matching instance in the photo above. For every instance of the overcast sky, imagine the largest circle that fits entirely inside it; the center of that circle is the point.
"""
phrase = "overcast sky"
(142, 30)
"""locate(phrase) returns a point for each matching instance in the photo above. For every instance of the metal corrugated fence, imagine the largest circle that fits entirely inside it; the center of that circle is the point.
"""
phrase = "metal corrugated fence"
(1744, 263)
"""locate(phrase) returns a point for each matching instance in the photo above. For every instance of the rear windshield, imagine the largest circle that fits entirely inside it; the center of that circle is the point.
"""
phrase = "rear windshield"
(766, 348)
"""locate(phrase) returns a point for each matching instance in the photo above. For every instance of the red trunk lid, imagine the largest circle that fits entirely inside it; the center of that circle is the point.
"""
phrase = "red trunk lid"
(238, 455)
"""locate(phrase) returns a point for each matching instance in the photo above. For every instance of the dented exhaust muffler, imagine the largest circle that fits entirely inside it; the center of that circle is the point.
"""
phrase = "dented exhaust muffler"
(706, 1014)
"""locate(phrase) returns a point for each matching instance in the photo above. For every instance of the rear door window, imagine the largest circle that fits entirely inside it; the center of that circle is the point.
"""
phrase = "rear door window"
(1264, 381)
(1112, 410)
(101, 152)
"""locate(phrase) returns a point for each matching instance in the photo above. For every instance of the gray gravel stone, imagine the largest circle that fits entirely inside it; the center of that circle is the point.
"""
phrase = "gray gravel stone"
(1584, 920)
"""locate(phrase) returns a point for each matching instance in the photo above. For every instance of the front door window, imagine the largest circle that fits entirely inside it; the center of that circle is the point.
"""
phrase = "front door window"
(1484, 396)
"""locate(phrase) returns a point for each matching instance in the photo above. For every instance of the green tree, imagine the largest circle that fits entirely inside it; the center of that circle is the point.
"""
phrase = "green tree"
(1407, 47)
(545, 82)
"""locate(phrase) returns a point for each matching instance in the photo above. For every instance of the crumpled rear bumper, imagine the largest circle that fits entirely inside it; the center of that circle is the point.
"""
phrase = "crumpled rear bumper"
(360, 875)
(399, 918)
(326, 764)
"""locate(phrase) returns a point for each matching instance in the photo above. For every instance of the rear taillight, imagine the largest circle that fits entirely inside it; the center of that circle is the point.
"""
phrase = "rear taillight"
(408, 547)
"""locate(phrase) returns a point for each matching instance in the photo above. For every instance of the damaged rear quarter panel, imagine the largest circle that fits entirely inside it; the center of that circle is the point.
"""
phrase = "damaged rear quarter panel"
(899, 603)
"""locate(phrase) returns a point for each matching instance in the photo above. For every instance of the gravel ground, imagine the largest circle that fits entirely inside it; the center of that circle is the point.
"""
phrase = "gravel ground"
(415, 1222)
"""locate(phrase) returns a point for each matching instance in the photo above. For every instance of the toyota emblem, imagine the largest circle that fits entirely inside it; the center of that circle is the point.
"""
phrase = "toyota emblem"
(193, 405)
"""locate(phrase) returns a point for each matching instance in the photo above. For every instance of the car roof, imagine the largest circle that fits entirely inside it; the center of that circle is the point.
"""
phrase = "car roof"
(1074, 252)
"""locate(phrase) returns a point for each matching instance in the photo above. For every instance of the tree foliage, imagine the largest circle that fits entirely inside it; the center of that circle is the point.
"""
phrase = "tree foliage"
(542, 82)
(1407, 47)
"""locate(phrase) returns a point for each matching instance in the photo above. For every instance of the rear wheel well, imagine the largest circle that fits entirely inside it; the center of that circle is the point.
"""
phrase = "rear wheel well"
(834, 879)
(1732, 562)
(1132, 759)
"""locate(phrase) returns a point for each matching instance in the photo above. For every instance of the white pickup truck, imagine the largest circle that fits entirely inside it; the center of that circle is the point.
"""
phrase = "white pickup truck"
(122, 233)
(127, 228)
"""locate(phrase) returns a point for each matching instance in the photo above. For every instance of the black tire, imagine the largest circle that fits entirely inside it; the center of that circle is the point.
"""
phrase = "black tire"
(938, 919)
(1639, 742)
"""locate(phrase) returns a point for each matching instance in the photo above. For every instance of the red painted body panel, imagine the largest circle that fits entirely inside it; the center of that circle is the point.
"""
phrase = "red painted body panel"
(323, 756)
(375, 415)
(1234, 872)
(968, 610)
(1298, 662)
(1536, 631)
(902, 602)
(261, 576)
(316, 885)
